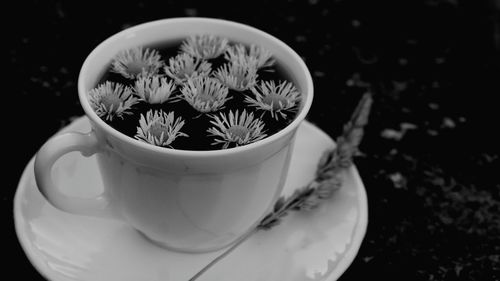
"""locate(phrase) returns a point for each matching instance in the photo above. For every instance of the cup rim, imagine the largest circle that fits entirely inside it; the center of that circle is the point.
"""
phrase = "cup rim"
(306, 103)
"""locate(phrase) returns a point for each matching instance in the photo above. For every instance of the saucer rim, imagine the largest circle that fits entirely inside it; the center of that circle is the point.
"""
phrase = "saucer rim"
(359, 231)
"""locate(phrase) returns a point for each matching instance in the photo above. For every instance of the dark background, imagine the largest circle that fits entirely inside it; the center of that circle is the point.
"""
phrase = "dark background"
(431, 151)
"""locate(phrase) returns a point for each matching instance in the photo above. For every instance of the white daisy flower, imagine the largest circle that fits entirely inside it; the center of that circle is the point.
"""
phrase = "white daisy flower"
(136, 62)
(277, 99)
(204, 46)
(255, 55)
(184, 66)
(154, 89)
(111, 100)
(159, 128)
(205, 94)
(236, 129)
(237, 76)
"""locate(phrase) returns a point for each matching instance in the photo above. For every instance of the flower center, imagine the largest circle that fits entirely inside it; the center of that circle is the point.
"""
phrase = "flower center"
(186, 73)
(203, 48)
(157, 129)
(136, 67)
(205, 98)
(238, 131)
(275, 100)
(242, 79)
(111, 100)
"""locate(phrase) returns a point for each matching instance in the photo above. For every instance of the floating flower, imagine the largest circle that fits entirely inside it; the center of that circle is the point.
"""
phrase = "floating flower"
(277, 99)
(204, 46)
(159, 128)
(255, 55)
(205, 94)
(154, 89)
(111, 99)
(237, 76)
(136, 62)
(236, 129)
(184, 66)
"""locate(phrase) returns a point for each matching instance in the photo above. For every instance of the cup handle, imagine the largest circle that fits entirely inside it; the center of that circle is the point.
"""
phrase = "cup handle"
(48, 154)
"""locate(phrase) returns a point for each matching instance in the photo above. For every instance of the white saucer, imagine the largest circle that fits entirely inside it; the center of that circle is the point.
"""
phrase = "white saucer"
(317, 245)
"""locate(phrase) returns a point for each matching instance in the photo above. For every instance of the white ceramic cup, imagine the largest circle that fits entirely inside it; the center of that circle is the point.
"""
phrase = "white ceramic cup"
(183, 200)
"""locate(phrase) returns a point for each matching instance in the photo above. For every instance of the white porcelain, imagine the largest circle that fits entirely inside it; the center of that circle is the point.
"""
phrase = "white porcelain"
(184, 200)
(317, 245)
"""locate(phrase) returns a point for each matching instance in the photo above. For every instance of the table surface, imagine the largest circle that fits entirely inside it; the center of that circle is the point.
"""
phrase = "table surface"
(430, 155)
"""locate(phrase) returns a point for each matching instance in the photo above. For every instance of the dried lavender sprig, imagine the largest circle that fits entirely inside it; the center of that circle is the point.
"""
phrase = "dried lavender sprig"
(326, 181)
(347, 144)
(283, 205)
(327, 178)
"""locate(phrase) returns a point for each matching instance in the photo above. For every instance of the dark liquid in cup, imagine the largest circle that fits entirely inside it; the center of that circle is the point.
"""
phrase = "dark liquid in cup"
(196, 123)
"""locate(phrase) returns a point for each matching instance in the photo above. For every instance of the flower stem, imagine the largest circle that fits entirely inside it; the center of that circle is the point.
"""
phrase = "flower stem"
(225, 253)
